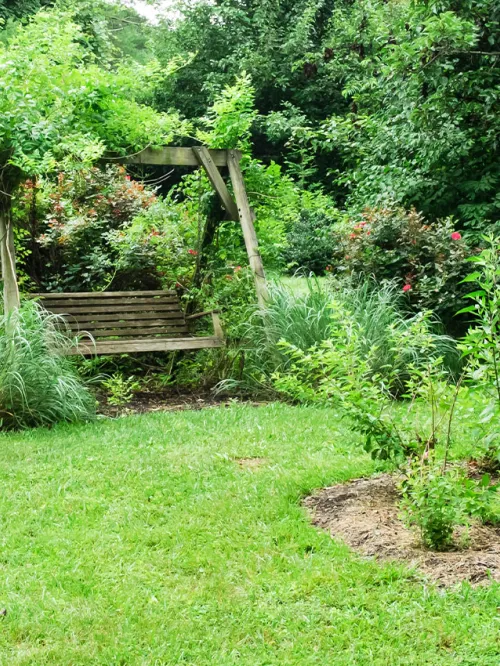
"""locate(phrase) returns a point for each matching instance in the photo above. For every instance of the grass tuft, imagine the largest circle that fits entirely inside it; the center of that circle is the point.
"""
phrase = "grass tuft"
(38, 384)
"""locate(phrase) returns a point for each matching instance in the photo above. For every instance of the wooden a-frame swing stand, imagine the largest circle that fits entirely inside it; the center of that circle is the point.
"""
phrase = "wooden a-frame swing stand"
(127, 322)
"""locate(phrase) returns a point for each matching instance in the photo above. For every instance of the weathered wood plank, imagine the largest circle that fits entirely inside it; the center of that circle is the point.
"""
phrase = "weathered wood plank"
(129, 323)
(8, 264)
(118, 302)
(246, 220)
(139, 332)
(146, 345)
(173, 156)
(104, 294)
(118, 309)
(205, 159)
(86, 319)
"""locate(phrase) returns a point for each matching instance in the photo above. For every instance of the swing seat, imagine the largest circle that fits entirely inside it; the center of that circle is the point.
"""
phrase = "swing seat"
(125, 322)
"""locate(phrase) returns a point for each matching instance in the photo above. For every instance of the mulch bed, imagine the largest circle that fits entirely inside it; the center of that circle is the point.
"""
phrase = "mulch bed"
(168, 400)
(364, 514)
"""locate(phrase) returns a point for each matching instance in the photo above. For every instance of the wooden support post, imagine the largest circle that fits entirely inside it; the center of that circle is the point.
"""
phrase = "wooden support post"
(205, 160)
(246, 220)
(8, 258)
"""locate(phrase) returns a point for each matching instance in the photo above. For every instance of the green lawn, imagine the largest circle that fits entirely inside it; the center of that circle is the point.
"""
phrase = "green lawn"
(142, 542)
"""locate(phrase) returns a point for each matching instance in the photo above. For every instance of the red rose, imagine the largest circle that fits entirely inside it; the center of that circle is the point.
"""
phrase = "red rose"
(456, 236)
(407, 287)
(193, 252)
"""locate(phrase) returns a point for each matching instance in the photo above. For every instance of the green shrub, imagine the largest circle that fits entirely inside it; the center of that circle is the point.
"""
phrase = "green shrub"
(120, 390)
(427, 261)
(437, 498)
(38, 384)
(310, 242)
(384, 337)
(481, 345)
(69, 226)
(432, 502)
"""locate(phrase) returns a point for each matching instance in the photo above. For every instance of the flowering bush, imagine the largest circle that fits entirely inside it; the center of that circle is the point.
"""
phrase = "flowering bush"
(428, 260)
(69, 227)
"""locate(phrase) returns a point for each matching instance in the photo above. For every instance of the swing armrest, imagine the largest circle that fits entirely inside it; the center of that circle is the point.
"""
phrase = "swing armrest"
(199, 315)
(218, 332)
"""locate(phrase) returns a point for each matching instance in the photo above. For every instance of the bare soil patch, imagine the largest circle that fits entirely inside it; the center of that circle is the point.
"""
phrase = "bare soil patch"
(251, 463)
(168, 400)
(364, 514)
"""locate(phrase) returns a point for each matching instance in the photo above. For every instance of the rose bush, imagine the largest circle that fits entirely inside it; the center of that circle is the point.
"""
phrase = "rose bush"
(427, 259)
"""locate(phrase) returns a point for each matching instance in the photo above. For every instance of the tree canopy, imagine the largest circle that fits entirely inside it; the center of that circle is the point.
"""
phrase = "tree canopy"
(63, 106)
(394, 100)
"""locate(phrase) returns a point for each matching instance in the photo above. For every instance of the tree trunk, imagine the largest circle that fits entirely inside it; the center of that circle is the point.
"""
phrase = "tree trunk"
(8, 259)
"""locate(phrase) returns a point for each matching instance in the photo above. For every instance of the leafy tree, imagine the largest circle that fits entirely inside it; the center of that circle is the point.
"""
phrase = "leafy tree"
(16, 9)
(60, 109)
(273, 42)
(423, 125)
(378, 101)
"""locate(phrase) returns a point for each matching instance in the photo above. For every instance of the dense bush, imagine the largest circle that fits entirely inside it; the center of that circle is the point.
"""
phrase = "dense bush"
(427, 260)
(386, 340)
(303, 319)
(369, 332)
(69, 227)
(38, 384)
(310, 241)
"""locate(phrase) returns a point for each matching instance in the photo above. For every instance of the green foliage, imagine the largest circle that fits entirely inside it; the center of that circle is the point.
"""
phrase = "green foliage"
(73, 227)
(301, 319)
(17, 9)
(379, 101)
(437, 499)
(60, 107)
(120, 390)
(428, 260)
(481, 345)
(310, 241)
(423, 116)
(372, 328)
(38, 385)
(341, 373)
(230, 118)
(431, 502)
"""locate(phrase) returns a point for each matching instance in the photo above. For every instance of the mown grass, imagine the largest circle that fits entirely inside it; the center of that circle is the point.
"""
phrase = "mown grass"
(143, 542)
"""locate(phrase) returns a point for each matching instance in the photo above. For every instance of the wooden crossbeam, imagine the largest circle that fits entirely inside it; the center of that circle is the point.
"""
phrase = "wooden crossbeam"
(174, 156)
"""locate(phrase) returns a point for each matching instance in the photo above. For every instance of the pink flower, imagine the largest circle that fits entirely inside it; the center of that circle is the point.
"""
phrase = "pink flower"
(127, 177)
(352, 236)
(193, 253)
(407, 287)
(456, 236)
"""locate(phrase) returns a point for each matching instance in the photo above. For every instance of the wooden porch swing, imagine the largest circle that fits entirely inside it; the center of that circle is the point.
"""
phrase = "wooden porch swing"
(147, 321)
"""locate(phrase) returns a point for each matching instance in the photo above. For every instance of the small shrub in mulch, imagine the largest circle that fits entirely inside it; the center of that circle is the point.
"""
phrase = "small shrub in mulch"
(364, 514)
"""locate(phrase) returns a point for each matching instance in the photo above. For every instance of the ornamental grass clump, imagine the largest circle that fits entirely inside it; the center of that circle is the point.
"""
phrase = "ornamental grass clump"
(38, 384)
